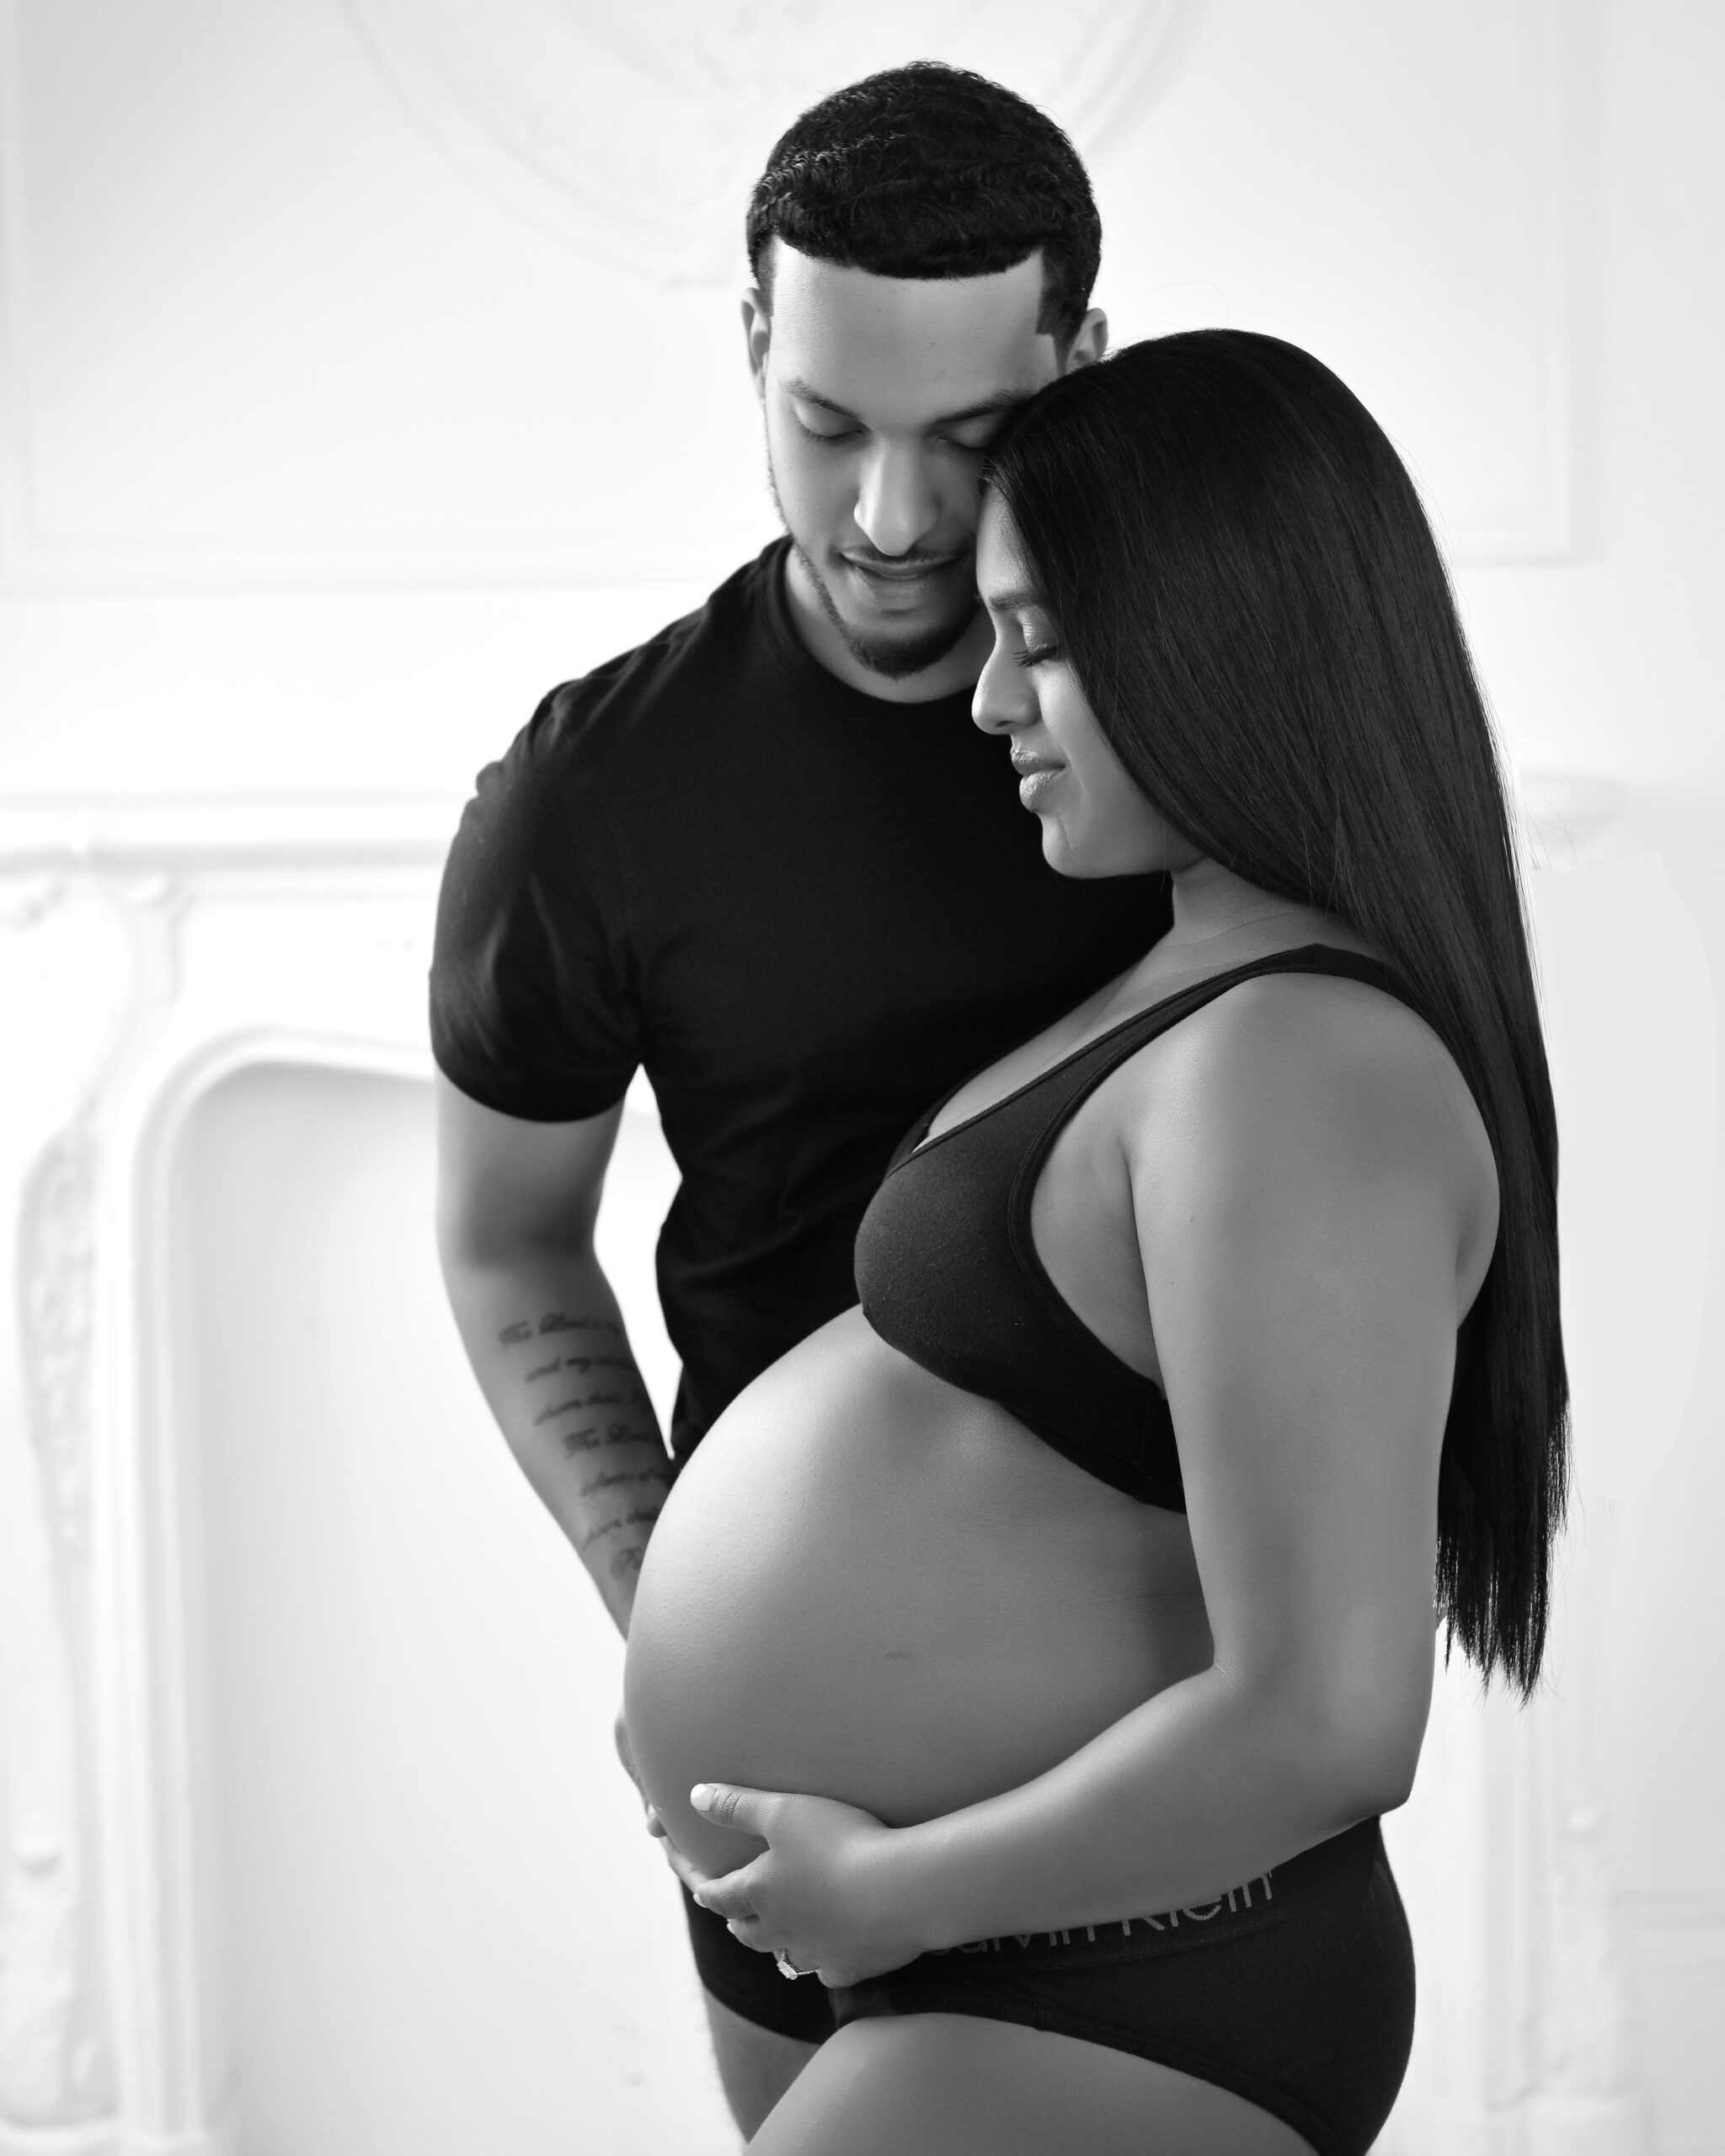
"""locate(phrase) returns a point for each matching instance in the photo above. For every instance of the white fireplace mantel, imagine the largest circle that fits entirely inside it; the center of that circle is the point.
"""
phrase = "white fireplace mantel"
(146, 952)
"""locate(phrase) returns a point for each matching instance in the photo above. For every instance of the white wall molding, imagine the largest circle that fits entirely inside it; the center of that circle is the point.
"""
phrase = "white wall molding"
(676, 120)
(1591, 2097)
(146, 953)
(679, 102)
(1691, 1913)
(204, 938)
(66, 969)
(1544, 527)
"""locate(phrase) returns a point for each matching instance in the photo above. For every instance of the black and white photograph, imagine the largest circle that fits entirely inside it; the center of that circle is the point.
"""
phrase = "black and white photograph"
(861, 877)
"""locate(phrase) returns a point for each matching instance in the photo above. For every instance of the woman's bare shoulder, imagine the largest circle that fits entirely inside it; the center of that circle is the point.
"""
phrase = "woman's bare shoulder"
(1340, 1070)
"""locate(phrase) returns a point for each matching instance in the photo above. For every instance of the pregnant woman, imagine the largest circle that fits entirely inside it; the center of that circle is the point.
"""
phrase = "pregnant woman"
(1048, 1633)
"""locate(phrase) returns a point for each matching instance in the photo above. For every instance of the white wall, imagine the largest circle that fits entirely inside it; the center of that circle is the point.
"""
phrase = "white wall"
(343, 408)
(438, 1919)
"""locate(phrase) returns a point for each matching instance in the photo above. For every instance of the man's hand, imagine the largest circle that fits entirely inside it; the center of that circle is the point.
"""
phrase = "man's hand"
(656, 1825)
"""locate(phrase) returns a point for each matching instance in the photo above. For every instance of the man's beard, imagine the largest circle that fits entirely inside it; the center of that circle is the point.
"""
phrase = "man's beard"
(893, 659)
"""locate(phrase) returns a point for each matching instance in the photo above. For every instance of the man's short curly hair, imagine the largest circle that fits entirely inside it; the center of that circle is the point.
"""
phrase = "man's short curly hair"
(932, 171)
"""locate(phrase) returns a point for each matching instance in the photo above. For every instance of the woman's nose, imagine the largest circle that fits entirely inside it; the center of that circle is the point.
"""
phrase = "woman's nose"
(1003, 697)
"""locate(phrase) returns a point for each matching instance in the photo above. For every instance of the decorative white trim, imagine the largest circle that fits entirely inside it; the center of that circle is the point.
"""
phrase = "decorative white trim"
(235, 934)
(52, 840)
(1695, 1914)
(680, 105)
(1545, 529)
(1098, 81)
(1571, 815)
(1590, 2097)
(209, 938)
(18, 537)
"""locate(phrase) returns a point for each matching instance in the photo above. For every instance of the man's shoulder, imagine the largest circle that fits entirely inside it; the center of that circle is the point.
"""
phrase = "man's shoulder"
(627, 703)
(591, 763)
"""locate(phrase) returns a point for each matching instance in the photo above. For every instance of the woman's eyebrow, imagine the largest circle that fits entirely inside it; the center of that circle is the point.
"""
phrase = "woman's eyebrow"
(1004, 602)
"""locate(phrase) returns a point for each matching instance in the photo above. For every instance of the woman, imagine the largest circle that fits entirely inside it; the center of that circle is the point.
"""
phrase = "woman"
(1053, 1628)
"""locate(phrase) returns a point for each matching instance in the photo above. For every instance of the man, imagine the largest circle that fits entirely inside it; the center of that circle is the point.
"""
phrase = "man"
(766, 856)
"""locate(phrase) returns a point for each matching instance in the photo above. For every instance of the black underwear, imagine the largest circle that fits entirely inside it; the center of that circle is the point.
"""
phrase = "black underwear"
(1294, 1989)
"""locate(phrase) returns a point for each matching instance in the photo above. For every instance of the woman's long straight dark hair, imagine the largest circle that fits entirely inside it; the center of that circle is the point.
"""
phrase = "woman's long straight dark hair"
(1243, 579)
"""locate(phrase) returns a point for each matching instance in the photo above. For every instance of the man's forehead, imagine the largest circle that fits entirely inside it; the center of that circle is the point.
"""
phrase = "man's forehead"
(1003, 577)
(996, 557)
(904, 350)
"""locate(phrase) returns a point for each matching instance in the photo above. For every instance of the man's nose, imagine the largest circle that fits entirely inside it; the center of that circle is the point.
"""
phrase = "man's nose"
(898, 505)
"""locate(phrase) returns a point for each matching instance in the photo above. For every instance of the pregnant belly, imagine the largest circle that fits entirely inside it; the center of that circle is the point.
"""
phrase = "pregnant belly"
(867, 1584)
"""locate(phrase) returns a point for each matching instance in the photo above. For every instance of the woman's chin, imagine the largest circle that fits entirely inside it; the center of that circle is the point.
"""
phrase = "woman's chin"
(1059, 851)
(1082, 854)
(1070, 856)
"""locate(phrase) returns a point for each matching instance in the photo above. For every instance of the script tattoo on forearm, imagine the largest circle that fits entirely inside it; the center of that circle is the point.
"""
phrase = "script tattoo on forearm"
(580, 1364)
(605, 1379)
(637, 1516)
(636, 1399)
(645, 1475)
(589, 1438)
(511, 1336)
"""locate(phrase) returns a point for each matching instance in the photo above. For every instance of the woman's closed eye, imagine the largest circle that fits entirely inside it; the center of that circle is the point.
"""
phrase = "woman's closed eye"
(1036, 654)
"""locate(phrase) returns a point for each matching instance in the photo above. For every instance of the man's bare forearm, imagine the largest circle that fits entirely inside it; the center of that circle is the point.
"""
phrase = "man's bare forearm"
(545, 1337)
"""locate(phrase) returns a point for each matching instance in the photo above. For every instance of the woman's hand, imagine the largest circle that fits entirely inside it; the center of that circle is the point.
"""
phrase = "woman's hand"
(817, 1893)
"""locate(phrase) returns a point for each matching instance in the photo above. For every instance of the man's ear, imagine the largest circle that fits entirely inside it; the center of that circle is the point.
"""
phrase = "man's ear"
(1090, 342)
(757, 329)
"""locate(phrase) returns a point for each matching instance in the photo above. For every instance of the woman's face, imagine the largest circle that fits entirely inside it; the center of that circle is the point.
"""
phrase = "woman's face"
(1095, 820)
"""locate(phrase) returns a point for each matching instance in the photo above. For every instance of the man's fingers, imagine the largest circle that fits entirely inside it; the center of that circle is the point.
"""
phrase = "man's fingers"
(692, 1878)
(621, 1731)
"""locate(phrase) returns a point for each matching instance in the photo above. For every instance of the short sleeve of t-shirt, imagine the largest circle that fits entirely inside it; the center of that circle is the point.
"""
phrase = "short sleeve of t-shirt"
(533, 1004)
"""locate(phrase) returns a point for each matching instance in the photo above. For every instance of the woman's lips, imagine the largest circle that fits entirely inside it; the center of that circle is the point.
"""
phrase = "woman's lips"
(1035, 781)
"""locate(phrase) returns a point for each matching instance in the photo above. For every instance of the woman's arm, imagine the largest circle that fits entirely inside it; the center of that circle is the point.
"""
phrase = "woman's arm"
(1304, 1191)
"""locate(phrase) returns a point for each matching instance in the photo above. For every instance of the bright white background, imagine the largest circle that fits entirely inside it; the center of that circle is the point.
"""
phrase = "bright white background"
(367, 368)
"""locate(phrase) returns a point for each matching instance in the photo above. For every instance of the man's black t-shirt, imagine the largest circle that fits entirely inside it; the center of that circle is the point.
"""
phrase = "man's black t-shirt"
(807, 912)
